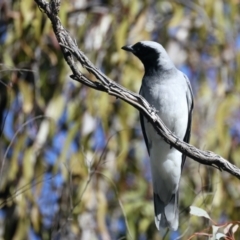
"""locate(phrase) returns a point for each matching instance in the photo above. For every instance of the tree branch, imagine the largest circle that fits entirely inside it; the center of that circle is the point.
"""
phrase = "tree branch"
(70, 51)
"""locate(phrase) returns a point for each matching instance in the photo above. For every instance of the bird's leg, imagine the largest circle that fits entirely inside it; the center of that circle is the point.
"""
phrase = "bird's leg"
(153, 110)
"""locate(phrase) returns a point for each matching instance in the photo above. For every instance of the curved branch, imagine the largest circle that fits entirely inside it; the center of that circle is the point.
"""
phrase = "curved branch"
(70, 51)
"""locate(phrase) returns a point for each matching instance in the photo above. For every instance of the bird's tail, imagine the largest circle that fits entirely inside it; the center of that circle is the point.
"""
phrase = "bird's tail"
(166, 215)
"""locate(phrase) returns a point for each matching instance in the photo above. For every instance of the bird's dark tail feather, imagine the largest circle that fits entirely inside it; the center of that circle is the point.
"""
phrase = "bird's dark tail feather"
(166, 215)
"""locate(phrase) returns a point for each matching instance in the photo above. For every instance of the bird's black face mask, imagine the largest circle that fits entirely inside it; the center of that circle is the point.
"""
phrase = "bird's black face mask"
(148, 56)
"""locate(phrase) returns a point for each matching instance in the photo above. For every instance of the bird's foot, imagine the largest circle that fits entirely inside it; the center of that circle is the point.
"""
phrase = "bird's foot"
(175, 143)
(153, 110)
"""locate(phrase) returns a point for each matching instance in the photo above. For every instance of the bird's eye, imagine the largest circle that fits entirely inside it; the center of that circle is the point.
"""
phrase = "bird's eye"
(136, 48)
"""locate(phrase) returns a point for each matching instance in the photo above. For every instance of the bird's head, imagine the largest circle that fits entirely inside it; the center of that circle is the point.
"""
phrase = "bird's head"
(151, 54)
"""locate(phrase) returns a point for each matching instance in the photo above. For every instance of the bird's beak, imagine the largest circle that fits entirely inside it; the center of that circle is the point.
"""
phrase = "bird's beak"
(128, 48)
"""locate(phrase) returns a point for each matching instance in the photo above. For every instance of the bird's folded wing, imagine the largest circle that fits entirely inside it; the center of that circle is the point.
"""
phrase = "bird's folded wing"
(190, 103)
(143, 129)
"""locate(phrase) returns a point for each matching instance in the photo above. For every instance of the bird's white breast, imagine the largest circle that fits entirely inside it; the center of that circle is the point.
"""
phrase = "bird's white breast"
(171, 103)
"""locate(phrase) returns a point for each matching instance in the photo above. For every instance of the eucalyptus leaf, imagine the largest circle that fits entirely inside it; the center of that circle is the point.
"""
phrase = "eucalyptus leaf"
(199, 212)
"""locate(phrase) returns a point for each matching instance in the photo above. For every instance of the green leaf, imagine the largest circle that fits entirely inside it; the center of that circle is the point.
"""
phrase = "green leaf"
(219, 236)
(199, 212)
(214, 231)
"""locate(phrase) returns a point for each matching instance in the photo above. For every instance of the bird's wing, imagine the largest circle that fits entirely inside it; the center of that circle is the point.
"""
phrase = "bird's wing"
(143, 128)
(190, 108)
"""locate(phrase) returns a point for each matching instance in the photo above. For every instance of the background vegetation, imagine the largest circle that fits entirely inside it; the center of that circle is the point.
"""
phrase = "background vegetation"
(73, 160)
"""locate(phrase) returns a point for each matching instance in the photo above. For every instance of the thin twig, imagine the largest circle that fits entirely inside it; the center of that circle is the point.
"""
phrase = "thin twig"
(14, 137)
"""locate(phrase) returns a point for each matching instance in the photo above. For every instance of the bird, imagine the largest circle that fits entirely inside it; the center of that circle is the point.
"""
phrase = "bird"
(169, 91)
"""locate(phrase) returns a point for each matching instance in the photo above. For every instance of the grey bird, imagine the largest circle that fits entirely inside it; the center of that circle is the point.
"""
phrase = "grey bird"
(169, 91)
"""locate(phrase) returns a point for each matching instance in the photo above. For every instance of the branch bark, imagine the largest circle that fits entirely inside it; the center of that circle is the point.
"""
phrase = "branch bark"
(71, 52)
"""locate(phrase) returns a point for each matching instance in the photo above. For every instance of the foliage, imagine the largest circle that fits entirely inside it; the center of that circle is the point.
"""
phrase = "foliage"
(217, 231)
(73, 160)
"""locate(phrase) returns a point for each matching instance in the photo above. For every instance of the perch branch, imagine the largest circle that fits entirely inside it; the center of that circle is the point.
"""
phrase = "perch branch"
(71, 52)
